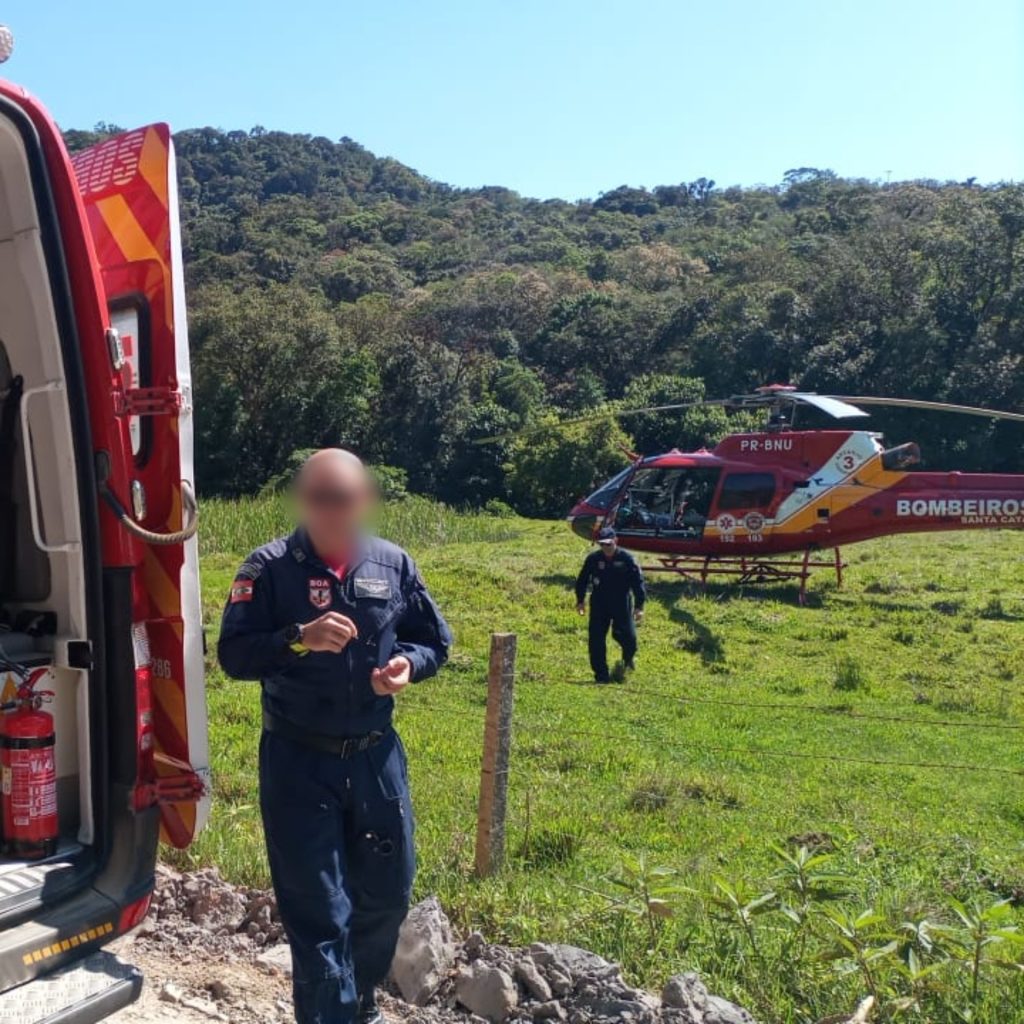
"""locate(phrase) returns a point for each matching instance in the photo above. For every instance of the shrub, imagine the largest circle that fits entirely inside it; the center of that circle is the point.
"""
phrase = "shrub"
(499, 509)
(849, 675)
(392, 482)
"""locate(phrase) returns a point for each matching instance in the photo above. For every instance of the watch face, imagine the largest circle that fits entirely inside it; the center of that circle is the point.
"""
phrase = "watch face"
(293, 634)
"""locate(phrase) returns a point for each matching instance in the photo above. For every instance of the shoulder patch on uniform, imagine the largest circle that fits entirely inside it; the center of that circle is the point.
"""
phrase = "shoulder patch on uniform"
(249, 571)
(242, 590)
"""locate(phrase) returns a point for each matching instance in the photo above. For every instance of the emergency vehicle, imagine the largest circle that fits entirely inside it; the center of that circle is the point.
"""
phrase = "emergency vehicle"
(103, 743)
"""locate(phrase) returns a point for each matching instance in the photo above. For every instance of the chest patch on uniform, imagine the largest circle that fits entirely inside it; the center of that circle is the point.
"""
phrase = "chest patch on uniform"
(320, 592)
(241, 590)
(366, 586)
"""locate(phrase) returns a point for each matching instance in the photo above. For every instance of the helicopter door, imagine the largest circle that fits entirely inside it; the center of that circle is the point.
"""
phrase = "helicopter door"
(744, 505)
(671, 502)
(615, 494)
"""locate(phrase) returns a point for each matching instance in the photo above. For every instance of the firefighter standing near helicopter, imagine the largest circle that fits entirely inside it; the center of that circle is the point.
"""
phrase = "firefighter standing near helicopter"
(615, 582)
(335, 624)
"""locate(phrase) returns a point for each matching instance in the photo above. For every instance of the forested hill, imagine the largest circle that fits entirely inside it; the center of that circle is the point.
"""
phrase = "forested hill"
(341, 298)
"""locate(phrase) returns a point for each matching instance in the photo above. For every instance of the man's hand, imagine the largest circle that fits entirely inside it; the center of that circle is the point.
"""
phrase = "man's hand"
(638, 616)
(392, 678)
(581, 609)
(331, 632)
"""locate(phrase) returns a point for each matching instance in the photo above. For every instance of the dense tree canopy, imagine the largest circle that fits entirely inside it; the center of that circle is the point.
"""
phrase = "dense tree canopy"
(341, 298)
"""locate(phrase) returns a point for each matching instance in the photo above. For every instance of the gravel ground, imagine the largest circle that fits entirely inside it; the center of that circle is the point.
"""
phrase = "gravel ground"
(211, 951)
(208, 951)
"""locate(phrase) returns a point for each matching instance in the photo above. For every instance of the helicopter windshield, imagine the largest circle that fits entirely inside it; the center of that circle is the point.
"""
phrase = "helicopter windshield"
(671, 502)
(604, 496)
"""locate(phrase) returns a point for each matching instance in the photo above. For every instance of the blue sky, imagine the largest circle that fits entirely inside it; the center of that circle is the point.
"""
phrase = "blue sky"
(559, 97)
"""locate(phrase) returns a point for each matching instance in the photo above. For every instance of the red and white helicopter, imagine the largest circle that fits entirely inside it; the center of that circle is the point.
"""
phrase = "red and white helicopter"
(776, 503)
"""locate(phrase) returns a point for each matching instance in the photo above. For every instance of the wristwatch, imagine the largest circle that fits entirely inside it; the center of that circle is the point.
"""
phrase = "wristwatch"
(293, 638)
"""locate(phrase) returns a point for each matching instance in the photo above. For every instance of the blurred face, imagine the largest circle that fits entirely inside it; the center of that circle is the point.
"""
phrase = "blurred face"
(608, 548)
(334, 497)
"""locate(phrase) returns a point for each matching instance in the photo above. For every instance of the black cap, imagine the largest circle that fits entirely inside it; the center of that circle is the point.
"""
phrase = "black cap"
(606, 535)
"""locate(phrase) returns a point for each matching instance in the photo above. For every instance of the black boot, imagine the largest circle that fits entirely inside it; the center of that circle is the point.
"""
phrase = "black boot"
(369, 1011)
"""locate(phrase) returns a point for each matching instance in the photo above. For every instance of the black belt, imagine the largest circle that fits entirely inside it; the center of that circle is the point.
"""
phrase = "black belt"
(341, 746)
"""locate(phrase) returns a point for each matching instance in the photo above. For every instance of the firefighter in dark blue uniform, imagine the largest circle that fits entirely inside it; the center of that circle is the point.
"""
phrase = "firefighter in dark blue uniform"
(615, 583)
(334, 624)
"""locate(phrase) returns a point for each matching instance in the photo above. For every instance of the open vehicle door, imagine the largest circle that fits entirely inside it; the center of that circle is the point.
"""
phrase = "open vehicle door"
(129, 187)
(611, 517)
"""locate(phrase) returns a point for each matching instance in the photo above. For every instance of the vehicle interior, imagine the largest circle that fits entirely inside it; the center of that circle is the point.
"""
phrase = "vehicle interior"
(667, 502)
(745, 492)
(43, 587)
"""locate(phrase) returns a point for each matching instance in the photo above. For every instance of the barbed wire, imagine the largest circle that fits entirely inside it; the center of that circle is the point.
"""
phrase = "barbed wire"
(794, 754)
(635, 740)
(832, 710)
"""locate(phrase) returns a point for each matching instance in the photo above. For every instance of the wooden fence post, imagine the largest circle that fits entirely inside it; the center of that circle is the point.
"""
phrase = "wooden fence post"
(490, 821)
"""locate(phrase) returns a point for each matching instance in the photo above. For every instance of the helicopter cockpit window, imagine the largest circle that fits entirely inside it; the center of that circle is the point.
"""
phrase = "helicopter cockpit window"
(672, 502)
(605, 495)
(747, 491)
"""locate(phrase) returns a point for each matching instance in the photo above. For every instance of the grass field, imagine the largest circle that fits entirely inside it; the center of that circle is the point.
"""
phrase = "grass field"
(662, 822)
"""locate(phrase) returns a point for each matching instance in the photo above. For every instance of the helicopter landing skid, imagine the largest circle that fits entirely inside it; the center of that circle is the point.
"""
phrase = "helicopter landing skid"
(744, 569)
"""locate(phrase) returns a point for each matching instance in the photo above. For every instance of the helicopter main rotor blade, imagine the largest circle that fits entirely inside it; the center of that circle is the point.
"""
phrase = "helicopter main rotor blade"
(703, 403)
(600, 415)
(916, 403)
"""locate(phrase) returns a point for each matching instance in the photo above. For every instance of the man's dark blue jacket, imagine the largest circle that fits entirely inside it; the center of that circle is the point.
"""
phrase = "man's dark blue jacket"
(611, 580)
(285, 582)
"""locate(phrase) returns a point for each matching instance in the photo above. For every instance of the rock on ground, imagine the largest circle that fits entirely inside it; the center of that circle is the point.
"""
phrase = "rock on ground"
(425, 952)
(533, 981)
(569, 960)
(486, 991)
(276, 960)
(687, 993)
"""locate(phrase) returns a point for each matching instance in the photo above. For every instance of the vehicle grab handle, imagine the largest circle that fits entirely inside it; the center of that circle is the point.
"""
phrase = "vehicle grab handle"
(49, 388)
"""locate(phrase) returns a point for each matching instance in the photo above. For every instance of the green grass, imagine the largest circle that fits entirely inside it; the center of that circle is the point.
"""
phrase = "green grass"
(751, 724)
(416, 523)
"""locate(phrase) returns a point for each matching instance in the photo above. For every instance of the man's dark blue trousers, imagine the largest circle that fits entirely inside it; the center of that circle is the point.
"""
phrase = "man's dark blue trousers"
(339, 834)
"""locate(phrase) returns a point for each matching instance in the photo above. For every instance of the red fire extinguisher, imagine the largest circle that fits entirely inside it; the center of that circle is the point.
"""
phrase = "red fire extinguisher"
(29, 774)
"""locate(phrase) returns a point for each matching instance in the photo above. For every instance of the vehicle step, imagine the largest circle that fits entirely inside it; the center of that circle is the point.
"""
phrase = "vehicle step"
(81, 993)
(23, 883)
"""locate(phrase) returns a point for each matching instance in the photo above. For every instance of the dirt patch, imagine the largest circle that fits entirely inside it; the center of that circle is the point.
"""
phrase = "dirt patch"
(219, 989)
(211, 951)
(208, 951)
